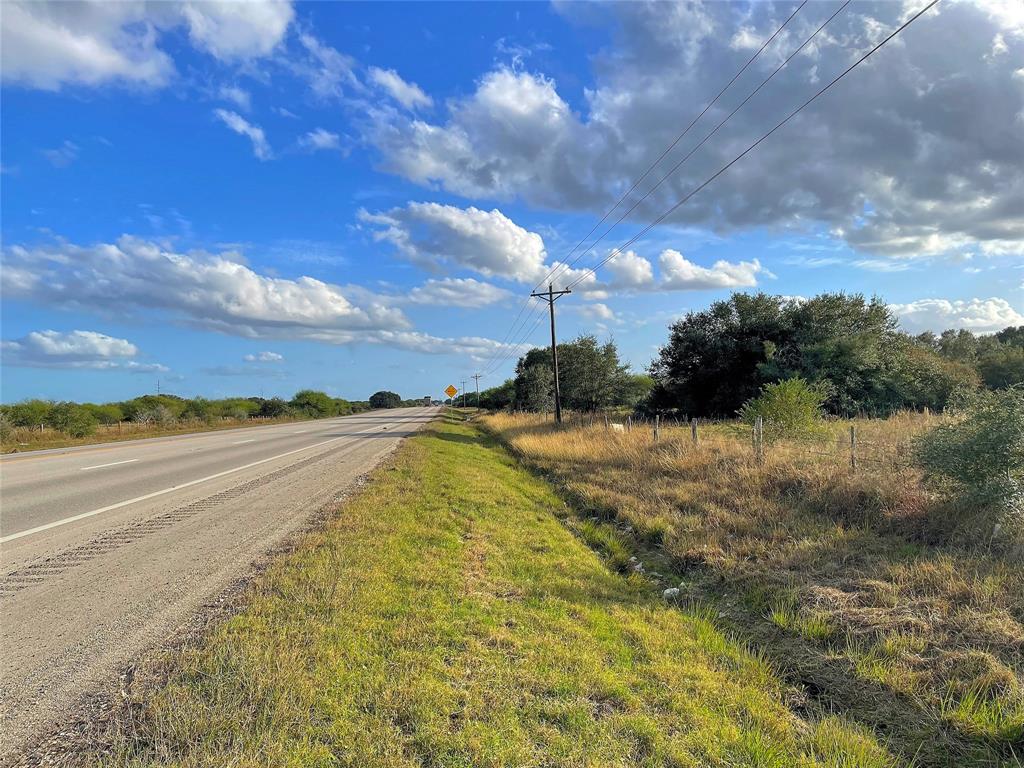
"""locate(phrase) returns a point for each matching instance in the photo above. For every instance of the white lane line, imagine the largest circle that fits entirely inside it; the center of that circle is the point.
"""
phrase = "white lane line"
(240, 442)
(154, 494)
(111, 464)
(300, 432)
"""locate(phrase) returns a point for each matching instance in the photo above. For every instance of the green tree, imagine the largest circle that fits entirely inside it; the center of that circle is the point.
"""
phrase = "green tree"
(591, 376)
(274, 408)
(1002, 366)
(72, 419)
(30, 413)
(313, 404)
(385, 399)
(107, 413)
(499, 397)
(534, 388)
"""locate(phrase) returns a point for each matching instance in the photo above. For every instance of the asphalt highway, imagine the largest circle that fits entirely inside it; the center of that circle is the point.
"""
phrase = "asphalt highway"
(107, 550)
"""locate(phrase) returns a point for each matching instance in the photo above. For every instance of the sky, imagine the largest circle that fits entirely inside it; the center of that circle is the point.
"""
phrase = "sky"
(254, 198)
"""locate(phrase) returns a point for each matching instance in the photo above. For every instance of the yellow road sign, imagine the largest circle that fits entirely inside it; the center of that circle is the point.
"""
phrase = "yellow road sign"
(451, 391)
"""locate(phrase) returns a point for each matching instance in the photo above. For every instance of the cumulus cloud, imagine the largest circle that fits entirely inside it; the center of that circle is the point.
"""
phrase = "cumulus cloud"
(241, 126)
(457, 292)
(51, 44)
(896, 162)
(629, 270)
(409, 95)
(678, 273)
(214, 291)
(75, 349)
(978, 315)
(264, 357)
(487, 242)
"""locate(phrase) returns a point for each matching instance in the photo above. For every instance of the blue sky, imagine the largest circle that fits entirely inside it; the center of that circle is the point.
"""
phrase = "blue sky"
(258, 198)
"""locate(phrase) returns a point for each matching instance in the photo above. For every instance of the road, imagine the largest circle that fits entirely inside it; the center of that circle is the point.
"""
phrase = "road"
(107, 550)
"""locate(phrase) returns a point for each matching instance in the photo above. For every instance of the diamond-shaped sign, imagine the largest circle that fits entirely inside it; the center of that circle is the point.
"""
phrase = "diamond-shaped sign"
(451, 391)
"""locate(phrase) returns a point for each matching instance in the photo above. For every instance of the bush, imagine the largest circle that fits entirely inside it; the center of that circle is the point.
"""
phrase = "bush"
(979, 457)
(109, 413)
(789, 408)
(30, 413)
(385, 399)
(313, 404)
(6, 427)
(274, 408)
(72, 419)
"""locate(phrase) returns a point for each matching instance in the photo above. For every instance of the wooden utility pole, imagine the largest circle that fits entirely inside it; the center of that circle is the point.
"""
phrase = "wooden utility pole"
(477, 377)
(551, 297)
(463, 393)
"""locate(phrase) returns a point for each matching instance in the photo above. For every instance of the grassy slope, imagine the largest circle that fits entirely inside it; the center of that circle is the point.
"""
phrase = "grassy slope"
(447, 617)
(824, 571)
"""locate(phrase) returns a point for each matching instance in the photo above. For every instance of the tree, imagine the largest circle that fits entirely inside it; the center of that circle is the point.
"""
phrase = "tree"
(787, 408)
(72, 419)
(108, 413)
(1002, 366)
(500, 397)
(274, 408)
(30, 413)
(313, 404)
(385, 399)
(590, 376)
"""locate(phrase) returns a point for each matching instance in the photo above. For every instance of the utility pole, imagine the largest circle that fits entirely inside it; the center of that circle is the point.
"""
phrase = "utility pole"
(477, 377)
(463, 393)
(551, 297)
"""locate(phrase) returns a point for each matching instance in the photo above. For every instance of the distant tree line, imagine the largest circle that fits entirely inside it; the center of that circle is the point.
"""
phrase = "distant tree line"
(848, 348)
(81, 419)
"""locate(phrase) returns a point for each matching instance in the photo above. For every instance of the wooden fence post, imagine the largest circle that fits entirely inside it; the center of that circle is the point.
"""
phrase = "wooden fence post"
(853, 447)
(629, 423)
(657, 425)
(606, 421)
(693, 430)
(759, 439)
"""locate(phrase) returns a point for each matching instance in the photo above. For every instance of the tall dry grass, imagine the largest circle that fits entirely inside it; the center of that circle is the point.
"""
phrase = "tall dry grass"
(854, 581)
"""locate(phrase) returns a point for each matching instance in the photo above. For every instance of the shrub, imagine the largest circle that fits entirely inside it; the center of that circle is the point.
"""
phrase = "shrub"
(30, 413)
(72, 419)
(274, 408)
(6, 427)
(789, 408)
(109, 413)
(313, 404)
(979, 456)
(385, 399)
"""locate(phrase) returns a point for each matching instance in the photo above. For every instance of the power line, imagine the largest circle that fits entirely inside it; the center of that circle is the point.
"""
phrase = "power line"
(712, 132)
(551, 273)
(514, 348)
(749, 149)
(710, 104)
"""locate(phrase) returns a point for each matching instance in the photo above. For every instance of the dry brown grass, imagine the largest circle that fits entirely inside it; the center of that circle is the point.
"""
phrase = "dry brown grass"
(849, 580)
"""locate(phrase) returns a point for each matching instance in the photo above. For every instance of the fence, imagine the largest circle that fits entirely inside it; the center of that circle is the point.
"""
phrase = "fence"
(844, 443)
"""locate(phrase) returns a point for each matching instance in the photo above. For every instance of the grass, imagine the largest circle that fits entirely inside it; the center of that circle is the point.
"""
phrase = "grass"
(449, 616)
(23, 439)
(859, 586)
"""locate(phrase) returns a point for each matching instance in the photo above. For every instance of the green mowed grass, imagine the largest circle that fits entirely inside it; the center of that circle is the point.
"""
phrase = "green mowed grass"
(447, 617)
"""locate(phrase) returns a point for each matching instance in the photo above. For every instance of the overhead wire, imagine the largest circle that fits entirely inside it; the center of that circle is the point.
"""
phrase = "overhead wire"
(753, 146)
(561, 267)
(714, 130)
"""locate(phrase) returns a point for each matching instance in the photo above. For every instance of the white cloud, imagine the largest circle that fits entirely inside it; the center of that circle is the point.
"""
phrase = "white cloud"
(213, 291)
(264, 357)
(51, 44)
(62, 156)
(320, 139)
(409, 95)
(237, 96)
(597, 311)
(234, 31)
(241, 126)
(677, 273)
(327, 71)
(75, 349)
(487, 242)
(457, 292)
(628, 270)
(935, 180)
(978, 315)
